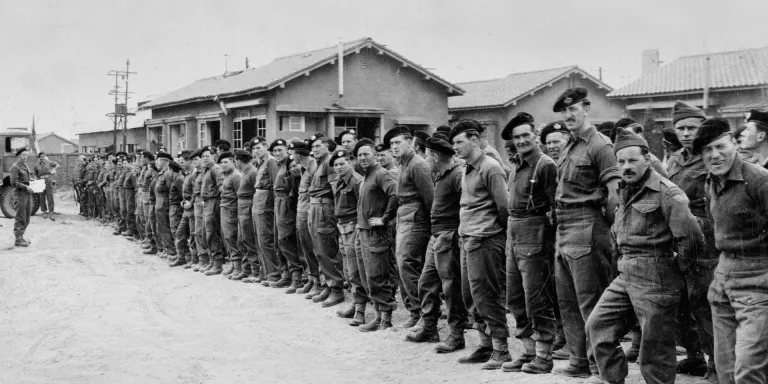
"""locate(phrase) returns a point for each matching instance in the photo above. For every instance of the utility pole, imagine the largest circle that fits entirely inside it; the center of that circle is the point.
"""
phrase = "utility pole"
(120, 115)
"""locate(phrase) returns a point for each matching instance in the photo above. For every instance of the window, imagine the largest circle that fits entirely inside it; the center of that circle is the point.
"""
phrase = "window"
(201, 135)
(237, 139)
(131, 148)
(343, 123)
(292, 123)
(261, 126)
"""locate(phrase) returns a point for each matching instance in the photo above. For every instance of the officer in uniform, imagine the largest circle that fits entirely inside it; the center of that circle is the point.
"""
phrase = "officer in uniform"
(586, 190)
(377, 207)
(229, 211)
(737, 193)
(755, 136)
(657, 238)
(285, 219)
(198, 205)
(688, 171)
(185, 233)
(20, 178)
(530, 247)
(630, 124)
(442, 266)
(147, 187)
(415, 194)
(264, 210)
(175, 212)
(245, 232)
(212, 178)
(483, 215)
(44, 169)
(162, 204)
(555, 136)
(301, 153)
(129, 193)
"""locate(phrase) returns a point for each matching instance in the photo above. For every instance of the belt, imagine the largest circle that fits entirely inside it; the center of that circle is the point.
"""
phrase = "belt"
(263, 189)
(409, 200)
(319, 200)
(245, 198)
(282, 193)
(210, 198)
(526, 215)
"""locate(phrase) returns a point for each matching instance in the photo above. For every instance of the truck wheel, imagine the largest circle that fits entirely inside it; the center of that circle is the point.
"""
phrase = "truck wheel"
(8, 202)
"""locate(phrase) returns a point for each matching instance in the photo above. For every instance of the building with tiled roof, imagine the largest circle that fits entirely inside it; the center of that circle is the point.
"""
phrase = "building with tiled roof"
(296, 95)
(494, 102)
(726, 84)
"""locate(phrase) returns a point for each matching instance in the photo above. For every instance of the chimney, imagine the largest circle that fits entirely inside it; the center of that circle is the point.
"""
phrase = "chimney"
(650, 60)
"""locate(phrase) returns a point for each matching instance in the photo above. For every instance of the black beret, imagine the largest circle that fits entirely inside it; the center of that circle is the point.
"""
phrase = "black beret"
(570, 97)
(467, 125)
(225, 155)
(20, 150)
(223, 143)
(163, 155)
(555, 126)
(381, 147)
(206, 148)
(682, 111)
(520, 119)
(738, 131)
(339, 154)
(277, 143)
(439, 144)
(161, 148)
(185, 154)
(195, 153)
(626, 138)
(670, 140)
(41, 154)
(606, 128)
(314, 137)
(626, 123)
(243, 155)
(362, 143)
(350, 131)
(121, 154)
(439, 135)
(709, 131)
(444, 129)
(398, 130)
(757, 116)
(300, 147)
(259, 140)
(421, 135)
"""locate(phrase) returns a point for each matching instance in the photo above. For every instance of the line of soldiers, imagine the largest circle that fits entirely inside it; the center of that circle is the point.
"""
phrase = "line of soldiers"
(583, 239)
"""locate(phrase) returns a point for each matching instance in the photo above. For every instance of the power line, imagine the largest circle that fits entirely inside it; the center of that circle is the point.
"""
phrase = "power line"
(120, 114)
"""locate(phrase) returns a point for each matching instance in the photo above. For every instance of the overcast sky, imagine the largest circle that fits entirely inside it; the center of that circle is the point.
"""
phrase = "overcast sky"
(56, 54)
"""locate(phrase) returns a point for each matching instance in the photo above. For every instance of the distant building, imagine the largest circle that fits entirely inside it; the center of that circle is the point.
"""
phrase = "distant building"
(53, 143)
(494, 102)
(296, 95)
(725, 84)
(101, 141)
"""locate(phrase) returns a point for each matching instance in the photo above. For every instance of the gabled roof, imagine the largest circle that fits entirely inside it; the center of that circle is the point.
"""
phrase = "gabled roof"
(498, 93)
(734, 69)
(277, 73)
(45, 135)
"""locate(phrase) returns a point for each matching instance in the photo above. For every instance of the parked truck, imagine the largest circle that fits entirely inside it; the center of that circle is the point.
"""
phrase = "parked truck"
(11, 140)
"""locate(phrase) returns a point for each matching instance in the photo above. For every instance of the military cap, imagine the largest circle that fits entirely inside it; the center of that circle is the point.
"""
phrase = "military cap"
(420, 137)
(20, 150)
(739, 130)
(259, 140)
(381, 148)
(439, 144)
(670, 140)
(756, 116)
(606, 128)
(520, 119)
(570, 97)
(682, 111)
(185, 154)
(223, 143)
(300, 147)
(278, 143)
(339, 154)
(206, 148)
(467, 125)
(362, 143)
(164, 155)
(555, 126)
(121, 154)
(161, 148)
(243, 155)
(626, 123)
(314, 137)
(709, 131)
(350, 131)
(398, 130)
(225, 155)
(195, 153)
(444, 129)
(626, 138)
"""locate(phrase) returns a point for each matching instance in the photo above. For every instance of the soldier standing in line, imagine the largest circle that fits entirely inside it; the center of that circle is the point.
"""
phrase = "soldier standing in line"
(120, 179)
(155, 245)
(415, 194)
(483, 220)
(307, 166)
(388, 163)
(141, 197)
(176, 211)
(657, 239)
(198, 205)
(45, 169)
(323, 224)
(185, 233)
(212, 178)
(264, 211)
(694, 318)
(530, 247)
(586, 197)
(129, 191)
(229, 212)
(346, 193)
(245, 232)
(737, 194)
(442, 264)
(20, 178)
(162, 205)
(376, 209)
(285, 219)
(755, 136)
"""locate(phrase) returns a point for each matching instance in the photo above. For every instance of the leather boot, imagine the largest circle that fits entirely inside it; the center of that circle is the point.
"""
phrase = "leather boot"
(307, 287)
(151, 251)
(227, 269)
(20, 242)
(359, 318)
(295, 281)
(284, 282)
(346, 313)
(237, 268)
(386, 320)
(336, 297)
(253, 277)
(245, 270)
(180, 261)
(215, 270)
(497, 359)
(426, 334)
(412, 321)
(480, 355)
(316, 289)
(694, 366)
(710, 377)
(373, 325)
(453, 343)
(208, 265)
(200, 265)
(322, 296)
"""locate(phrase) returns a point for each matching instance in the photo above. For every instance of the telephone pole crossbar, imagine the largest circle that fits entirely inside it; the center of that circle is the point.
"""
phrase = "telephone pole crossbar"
(120, 114)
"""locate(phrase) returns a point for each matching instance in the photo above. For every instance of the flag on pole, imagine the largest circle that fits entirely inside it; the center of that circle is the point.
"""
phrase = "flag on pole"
(35, 145)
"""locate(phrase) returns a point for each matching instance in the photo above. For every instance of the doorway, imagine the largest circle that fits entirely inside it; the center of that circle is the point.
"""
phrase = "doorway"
(214, 127)
(365, 126)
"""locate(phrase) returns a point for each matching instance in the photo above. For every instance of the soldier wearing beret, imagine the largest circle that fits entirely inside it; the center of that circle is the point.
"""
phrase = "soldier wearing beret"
(737, 196)
(748, 155)
(442, 266)
(263, 210)
(307, 166)
(285, 219)
(45, 169)
(485, 146)
(585, 198)
(162, 205)
(323, 223)
(657, 239)
(386, 160)
(20, 178)
(530, 247)
(246, 242)
(198, 205)
(688, 171)
(483, 220)
(119, 175)
(377, 207)
(555, 136)
(185, 239)
(129, 193)
(145, 180)
(229, 212)
(211, 179)
(175, 212)
(420, 142)
(755, 136)
(415, 194)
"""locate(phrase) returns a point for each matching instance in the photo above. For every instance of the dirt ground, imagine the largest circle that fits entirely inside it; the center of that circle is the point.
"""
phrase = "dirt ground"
(83, 306)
